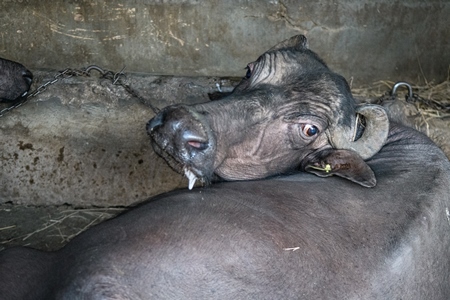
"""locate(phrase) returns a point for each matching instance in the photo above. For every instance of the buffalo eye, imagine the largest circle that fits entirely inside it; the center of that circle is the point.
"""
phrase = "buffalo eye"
(309, 130)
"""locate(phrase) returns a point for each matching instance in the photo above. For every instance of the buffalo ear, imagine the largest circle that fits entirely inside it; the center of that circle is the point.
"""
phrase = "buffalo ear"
(298, 42)
(343, 163)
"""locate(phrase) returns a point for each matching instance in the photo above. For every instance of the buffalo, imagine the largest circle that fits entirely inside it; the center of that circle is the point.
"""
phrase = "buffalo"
(15, 80)
(285, 227)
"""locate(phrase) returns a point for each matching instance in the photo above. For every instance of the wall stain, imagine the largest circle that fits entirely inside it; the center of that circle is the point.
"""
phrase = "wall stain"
(24, 146)
(61, 155)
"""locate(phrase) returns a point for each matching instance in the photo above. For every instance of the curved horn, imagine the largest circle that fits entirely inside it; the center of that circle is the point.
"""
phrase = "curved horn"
(374, 136)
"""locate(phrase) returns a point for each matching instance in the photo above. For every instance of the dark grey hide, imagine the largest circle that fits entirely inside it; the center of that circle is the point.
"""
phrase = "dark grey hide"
(290, 112)
(297, 236)
(15, 80)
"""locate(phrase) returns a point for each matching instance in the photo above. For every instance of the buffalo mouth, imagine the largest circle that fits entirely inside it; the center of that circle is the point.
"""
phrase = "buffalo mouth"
(183, 140)
(192, 173)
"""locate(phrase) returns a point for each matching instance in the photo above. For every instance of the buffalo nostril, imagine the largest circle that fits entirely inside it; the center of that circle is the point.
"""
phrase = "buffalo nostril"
(155, 121)
(28, 76)
(198, 145)
(195, 141)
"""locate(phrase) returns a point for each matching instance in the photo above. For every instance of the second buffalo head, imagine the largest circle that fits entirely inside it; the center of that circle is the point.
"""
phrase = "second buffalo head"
(15, 80)
(290, 112)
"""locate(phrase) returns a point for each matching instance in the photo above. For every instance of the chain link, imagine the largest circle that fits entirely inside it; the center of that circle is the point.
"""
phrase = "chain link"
(430, 103)
(414, 98)
(116, 79)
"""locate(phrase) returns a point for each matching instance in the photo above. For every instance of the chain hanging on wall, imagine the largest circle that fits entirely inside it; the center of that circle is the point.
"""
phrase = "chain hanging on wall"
(116, 79)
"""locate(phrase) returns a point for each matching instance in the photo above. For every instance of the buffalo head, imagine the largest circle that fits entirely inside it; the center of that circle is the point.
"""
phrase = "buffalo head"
(15, 80)
(290, 112)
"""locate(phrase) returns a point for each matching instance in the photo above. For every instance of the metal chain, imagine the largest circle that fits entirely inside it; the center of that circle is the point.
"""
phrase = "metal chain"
(412, 98)
(392, 94)
(430, 103)
(116, 79)
(67, 73)
(14, 106)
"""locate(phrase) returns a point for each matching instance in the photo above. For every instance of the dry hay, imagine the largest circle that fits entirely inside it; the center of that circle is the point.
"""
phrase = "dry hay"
(47, 228)
(428, 113)
(437, 96)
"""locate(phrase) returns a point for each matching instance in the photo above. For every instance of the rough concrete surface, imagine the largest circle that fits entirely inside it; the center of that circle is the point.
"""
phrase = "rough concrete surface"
(83, 141)
(364, 40)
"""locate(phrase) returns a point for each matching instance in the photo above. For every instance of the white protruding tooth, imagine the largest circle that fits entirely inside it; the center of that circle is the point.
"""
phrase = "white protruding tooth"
(191, 177)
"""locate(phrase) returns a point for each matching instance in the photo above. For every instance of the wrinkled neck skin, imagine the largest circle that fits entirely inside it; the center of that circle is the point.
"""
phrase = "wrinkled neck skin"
(407, 150)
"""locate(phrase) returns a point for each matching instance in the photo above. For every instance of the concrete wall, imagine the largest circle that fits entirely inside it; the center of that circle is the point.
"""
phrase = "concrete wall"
(365, 40)
(83, 141)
